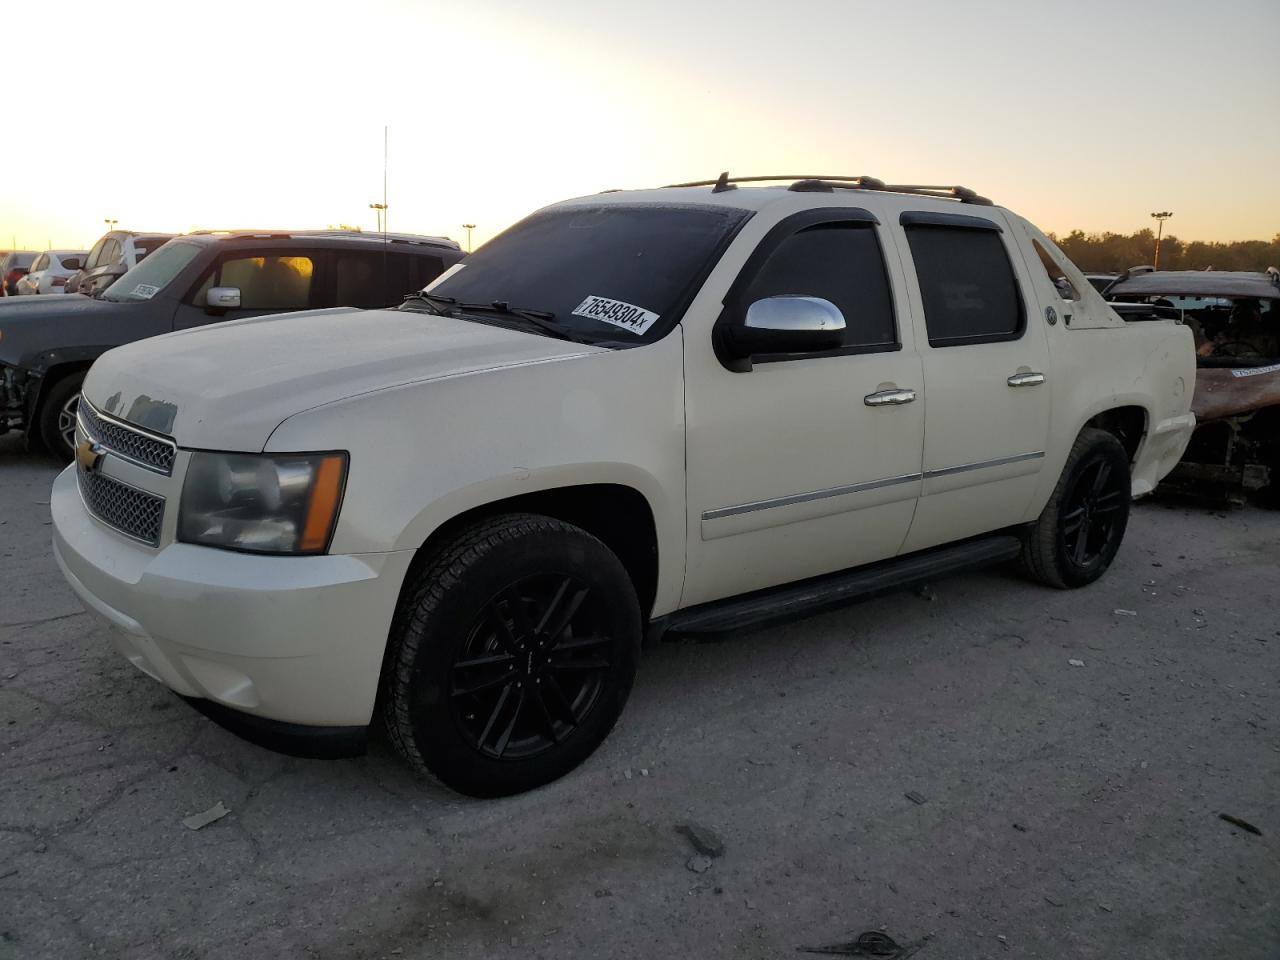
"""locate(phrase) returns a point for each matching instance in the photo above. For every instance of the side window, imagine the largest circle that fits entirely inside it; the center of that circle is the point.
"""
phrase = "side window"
(110, 253)
(360, 280)
(95, 255)
(1057, 277)
(841, 262)
(267, 282)
(967, 285)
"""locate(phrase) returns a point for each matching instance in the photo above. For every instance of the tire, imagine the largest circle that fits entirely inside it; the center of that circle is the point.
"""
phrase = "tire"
(56, 420)
(1077, 535)
(511, 655)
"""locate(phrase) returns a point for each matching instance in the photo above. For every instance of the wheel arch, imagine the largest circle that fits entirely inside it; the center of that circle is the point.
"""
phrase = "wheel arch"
(1128, 423)
(620, 516)
(48, 379)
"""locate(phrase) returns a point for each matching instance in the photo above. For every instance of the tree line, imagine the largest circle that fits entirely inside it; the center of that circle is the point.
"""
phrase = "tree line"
(1115, 252)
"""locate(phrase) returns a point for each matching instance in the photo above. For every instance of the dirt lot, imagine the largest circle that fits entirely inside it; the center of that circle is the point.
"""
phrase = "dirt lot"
(1068, 810)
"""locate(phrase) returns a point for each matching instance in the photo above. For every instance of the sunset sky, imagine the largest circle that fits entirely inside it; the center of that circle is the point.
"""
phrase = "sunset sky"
(173, 116)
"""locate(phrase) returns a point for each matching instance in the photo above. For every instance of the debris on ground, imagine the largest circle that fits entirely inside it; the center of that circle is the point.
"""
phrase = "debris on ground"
(1126, 613)
(698, 864)
(916, 798)
(705, 841)
(1076, 663)
(198, 820)
(872, 943)
(1242, 824)
(927, 593)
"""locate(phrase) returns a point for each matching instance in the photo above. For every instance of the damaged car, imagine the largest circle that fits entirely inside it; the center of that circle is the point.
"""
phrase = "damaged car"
(1235, 317)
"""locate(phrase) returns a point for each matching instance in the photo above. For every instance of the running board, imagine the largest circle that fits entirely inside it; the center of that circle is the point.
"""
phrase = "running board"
(795, 600)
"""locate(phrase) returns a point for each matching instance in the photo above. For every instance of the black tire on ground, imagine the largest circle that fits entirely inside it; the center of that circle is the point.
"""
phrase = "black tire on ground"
(55, 433)
(1079, 531)
(511, 655)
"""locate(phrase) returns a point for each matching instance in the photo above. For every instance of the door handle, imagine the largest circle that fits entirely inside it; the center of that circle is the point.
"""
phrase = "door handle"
(1026, 379)
(886, 397)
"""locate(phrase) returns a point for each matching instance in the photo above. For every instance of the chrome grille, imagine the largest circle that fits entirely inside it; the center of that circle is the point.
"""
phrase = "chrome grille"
(152, 452)
(133, 512)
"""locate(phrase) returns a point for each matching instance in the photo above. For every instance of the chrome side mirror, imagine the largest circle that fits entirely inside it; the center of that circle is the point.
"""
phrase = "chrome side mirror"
(789, 323)
(223, 298)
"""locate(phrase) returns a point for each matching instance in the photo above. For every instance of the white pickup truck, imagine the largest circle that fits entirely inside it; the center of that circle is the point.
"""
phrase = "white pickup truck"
(689, 408)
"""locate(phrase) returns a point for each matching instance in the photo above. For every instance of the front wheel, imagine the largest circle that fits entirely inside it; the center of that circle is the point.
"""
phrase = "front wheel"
(1076, 536)
(511, 656)
(56, 421)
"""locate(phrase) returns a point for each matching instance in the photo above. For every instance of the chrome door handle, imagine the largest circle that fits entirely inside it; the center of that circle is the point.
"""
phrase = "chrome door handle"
(883, 397)
(1026, 379)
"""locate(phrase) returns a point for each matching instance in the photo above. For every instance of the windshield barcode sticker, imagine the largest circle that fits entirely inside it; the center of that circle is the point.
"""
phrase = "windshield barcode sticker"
(624, 315)
(1255, 371)
(144, 290)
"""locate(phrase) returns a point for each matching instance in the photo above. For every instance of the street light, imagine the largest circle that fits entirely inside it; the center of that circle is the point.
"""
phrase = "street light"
(1160, 219)
(111, 224)
(468, 227)
(380, 207)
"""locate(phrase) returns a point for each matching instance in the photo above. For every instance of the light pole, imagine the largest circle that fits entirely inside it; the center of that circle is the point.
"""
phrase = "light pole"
(468, 227)
(1160, 219)
(380, 207)
(111, 224)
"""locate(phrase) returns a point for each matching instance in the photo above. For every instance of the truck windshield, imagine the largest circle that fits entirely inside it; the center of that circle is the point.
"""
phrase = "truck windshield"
(614, 272)
(154, 274)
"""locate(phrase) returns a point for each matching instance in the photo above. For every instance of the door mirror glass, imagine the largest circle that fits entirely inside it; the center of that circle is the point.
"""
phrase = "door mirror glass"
(223, 298)
(789, 323)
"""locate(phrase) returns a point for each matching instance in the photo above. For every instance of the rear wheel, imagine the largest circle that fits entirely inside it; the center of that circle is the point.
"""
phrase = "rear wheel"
(56, 421)
(512, 655)
(1077, 535)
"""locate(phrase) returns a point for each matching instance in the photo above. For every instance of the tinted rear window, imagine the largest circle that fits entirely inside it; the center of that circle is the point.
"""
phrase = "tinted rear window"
(967, 285)
(371, 278)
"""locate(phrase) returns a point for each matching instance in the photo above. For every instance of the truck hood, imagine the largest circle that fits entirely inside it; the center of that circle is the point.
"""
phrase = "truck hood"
(227, 387)
(24, 321)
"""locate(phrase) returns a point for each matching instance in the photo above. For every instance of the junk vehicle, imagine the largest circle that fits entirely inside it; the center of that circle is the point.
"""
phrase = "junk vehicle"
(683, 409)
(1235, 317)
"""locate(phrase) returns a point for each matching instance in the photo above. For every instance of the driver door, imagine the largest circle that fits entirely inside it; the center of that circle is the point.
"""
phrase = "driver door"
(795, 468)
(269, 281)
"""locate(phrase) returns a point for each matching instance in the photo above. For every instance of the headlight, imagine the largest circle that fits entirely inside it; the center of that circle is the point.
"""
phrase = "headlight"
(269, 503)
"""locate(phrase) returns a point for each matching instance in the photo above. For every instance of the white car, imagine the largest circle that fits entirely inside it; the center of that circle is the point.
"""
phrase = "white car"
(50, 271)
(689, 409)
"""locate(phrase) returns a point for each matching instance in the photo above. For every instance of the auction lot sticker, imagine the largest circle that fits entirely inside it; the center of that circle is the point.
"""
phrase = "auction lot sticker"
(624, 315)
(1255, 371)
(145, 290)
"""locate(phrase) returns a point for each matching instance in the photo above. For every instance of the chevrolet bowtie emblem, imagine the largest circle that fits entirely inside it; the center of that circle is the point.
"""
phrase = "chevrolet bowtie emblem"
(89, 455)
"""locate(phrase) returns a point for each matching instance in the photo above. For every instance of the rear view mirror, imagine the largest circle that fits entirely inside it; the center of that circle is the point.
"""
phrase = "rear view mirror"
(787, 324)
(223, 298)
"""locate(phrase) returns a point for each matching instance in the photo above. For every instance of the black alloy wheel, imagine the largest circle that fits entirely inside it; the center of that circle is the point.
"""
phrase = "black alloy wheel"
(1078, 533)
(511, 656)
(532, 668)
(1091, 520)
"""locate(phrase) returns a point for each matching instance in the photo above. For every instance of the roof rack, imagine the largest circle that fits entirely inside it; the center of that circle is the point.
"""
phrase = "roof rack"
(354, 234)
(810, 183)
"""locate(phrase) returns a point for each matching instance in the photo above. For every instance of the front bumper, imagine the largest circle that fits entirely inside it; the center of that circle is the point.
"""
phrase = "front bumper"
(293, 639)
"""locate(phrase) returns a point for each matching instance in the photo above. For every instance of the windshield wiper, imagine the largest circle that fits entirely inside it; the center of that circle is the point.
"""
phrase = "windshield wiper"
(542, 319)
(430, 299)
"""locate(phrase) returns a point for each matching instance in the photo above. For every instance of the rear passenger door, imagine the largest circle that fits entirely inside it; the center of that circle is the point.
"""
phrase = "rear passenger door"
(369, 279)
(985, 371)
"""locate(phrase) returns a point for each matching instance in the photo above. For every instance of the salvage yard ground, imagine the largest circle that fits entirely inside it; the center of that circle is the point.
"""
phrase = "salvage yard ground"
(1067, 766)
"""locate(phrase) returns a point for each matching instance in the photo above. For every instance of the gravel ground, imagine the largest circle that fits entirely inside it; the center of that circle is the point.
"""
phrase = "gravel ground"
(935, 765)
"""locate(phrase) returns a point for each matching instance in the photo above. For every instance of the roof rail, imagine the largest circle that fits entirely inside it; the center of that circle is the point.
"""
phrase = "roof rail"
(355, 234)
(826, 184)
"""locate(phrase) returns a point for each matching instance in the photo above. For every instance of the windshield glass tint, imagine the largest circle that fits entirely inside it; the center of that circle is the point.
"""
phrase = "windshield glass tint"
(155, 273)
(618, 272)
